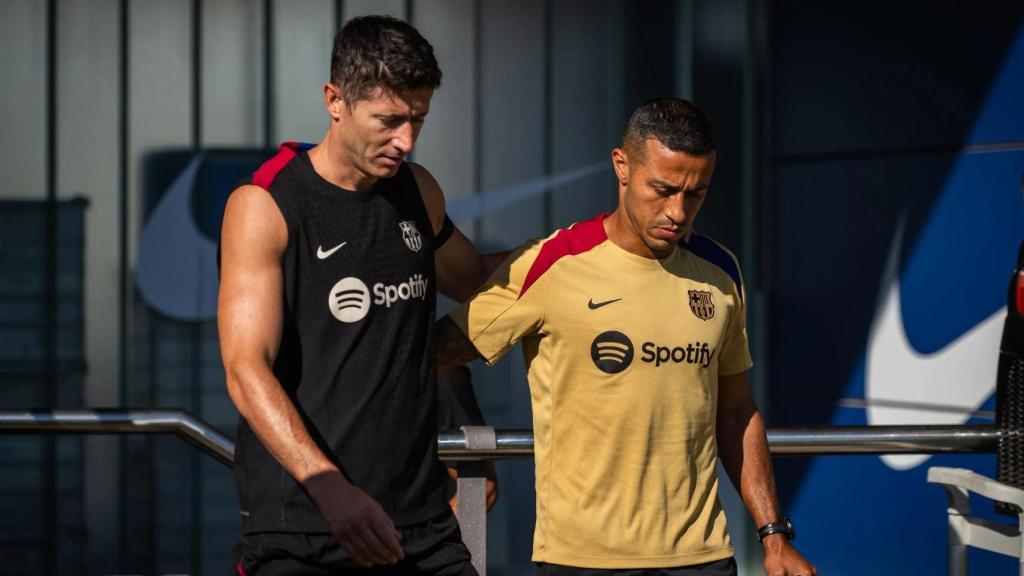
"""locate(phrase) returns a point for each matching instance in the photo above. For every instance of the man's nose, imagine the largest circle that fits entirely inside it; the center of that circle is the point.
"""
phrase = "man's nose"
(404, 138)
(675, 208)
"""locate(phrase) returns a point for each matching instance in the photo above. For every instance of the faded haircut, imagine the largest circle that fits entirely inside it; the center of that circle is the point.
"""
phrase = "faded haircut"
(678, 124)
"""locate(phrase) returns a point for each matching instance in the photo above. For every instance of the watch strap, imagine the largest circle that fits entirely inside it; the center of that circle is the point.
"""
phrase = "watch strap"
(784, 526)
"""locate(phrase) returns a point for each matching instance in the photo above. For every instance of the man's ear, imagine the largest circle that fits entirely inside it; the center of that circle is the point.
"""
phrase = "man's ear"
(333, 101)
(620, 162)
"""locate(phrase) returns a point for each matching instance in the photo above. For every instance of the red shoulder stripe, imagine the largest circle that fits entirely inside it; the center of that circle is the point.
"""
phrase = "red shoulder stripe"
(265, 174)
(568, 242)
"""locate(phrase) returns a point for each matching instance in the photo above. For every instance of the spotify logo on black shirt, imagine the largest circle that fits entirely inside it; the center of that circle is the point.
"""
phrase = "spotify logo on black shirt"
(612, 352)
(349, 300)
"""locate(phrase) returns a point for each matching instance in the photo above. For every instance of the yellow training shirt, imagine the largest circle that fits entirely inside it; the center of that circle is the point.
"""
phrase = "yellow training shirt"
(623, 355)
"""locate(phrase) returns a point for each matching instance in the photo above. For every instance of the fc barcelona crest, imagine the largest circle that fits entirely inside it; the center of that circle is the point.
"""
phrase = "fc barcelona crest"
(411, 235)
(701, 304)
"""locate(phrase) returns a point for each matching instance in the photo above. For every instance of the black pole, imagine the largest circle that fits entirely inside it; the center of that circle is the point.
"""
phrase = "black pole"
(196, 328)
(50, 300)
(122, 244)
(268, 73)
(549, 110)
(478, 115)
(197, 74)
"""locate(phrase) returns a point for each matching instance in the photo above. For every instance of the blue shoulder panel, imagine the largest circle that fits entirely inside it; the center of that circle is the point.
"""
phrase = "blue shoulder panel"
(710, 250)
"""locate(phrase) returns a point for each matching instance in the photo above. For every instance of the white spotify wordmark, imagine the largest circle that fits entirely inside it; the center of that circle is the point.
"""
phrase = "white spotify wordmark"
(349, 300)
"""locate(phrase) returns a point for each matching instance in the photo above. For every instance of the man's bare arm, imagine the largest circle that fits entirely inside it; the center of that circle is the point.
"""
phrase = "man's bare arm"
(459, 268)
(743, 448)
(453, 347)
(250, 318)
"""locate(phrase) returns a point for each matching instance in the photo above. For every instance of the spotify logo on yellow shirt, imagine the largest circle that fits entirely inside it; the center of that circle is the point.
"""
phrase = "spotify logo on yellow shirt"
(612, 352)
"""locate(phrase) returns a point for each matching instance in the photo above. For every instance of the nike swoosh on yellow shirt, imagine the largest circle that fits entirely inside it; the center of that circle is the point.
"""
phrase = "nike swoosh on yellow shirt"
(595, 305)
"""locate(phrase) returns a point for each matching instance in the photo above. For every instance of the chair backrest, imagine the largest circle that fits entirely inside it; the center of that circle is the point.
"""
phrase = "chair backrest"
(1010, 389)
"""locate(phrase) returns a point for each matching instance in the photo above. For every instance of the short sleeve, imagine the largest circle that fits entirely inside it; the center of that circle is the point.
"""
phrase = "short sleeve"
(735, 355)
(511, 305)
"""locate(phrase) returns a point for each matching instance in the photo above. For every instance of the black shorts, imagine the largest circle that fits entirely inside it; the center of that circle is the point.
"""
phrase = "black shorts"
(434, 547)
(725, 567)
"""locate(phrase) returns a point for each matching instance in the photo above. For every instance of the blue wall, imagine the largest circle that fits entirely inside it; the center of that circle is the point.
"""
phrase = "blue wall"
(897, 134)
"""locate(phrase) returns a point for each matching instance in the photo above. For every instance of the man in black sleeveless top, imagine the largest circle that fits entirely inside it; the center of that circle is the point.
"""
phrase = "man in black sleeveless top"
(331, 258)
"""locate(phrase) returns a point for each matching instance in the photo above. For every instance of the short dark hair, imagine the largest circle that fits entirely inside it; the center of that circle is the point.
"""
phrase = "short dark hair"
(678, 124)
(373, 52)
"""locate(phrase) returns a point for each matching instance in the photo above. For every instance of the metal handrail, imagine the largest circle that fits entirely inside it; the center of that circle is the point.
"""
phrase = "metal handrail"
(453, 446)
(511, 444)
(806, 441)
(113, 421)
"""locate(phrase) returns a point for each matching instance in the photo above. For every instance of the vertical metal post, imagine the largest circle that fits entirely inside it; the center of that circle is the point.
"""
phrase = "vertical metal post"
(472, 492)
(957, 508)
(957, 555)
(51, 303)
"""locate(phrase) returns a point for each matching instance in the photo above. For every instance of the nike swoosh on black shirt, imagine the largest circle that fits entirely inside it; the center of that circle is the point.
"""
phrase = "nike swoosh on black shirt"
(594, 306)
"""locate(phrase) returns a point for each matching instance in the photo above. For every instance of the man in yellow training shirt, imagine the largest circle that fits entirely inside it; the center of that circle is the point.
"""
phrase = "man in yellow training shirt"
(634, 332)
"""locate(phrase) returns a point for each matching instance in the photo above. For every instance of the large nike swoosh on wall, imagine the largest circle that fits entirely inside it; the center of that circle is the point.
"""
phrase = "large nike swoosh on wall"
(959, 377)
(176, 270)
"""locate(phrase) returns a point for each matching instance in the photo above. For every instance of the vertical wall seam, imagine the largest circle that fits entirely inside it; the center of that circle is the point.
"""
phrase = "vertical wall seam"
(478, 115)
(50, 297)
(196, 329)
(549, 120)
(122, 275)
(268, 73)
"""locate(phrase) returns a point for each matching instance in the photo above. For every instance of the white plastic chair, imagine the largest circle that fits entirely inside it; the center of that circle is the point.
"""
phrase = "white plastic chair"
(966, 530)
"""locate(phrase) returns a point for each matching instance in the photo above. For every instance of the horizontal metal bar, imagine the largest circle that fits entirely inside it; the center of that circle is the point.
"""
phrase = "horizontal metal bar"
(511, 444)
(112, 421)
(819, 440)
(805, 441)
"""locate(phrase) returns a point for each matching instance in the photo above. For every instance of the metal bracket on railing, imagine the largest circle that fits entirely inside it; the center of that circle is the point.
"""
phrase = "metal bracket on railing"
(472, 491)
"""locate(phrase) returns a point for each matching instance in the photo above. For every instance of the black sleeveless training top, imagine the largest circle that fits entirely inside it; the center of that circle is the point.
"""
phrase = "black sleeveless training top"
(356, 353)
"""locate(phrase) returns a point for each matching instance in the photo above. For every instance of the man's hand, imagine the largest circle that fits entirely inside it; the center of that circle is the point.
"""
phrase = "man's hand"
(781, 559)
(363, 529)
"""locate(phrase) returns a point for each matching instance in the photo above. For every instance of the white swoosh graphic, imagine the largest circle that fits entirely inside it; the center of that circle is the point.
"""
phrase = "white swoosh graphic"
(488, 201)
(322, 255)
(960, 376)
(176, 270)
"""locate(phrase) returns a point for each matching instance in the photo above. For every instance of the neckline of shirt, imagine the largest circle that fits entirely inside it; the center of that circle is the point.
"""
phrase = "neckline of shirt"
(325, 185)
(658, 263)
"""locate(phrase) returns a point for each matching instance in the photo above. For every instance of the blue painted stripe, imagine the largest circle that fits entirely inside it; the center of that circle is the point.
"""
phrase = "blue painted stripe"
(711, 251)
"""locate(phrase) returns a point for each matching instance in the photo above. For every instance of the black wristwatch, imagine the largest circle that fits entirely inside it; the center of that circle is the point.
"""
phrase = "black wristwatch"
(784, 526)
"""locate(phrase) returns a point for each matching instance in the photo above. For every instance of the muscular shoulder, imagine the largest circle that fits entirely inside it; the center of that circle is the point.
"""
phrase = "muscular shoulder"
(430, 191)
(253, 221)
